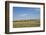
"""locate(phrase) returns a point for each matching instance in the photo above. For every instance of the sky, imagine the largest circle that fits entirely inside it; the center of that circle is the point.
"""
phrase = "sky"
(25, 13)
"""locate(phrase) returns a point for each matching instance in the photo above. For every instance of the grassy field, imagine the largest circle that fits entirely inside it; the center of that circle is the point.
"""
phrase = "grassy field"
(26, 23)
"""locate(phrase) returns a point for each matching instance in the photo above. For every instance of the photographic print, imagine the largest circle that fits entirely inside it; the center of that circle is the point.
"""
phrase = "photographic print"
(24, 17)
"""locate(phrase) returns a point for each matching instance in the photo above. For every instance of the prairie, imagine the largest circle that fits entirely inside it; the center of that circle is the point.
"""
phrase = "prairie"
(26, 23)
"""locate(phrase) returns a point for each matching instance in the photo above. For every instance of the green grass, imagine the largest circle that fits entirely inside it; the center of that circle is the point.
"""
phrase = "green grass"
(26, 23)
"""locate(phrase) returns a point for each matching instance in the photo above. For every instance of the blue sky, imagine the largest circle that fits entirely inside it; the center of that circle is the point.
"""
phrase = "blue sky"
(25, 13)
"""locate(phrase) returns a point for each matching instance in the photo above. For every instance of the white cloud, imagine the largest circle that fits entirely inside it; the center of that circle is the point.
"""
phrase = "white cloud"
(22, 14)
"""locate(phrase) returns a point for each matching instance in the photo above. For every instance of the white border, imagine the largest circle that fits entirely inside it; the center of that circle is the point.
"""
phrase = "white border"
(11, 29)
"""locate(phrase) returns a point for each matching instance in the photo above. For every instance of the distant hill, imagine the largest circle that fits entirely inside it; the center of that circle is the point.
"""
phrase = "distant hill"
(27, 20)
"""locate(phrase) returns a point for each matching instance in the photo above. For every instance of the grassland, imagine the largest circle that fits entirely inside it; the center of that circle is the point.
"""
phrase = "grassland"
(26, 23)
